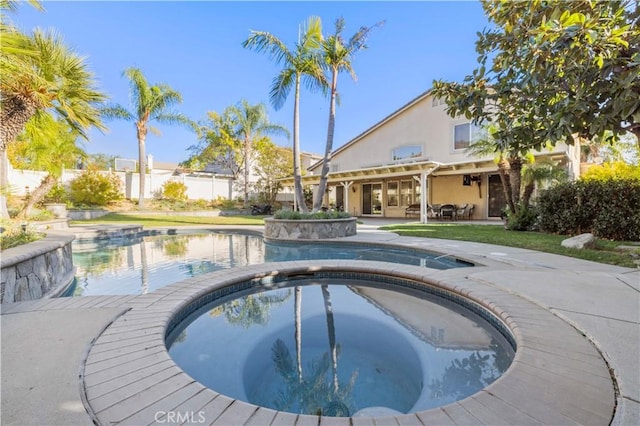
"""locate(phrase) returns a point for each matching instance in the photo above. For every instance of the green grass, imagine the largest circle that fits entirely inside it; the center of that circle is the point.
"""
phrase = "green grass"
(150, 221)
(604, 252)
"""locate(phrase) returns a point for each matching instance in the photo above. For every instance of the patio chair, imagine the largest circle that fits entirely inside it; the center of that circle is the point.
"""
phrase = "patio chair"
(464, 211)
(448, 210)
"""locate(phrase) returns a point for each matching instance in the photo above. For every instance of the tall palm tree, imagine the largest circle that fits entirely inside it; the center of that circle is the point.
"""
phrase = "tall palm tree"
(39, 73)
(302, 64)
(150, 103)
(251, 124)
(338, 55)
(47, 144)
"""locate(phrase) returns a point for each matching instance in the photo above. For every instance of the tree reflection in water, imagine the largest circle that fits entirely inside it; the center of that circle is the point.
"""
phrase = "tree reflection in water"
(250, 310)
(469, 375)
(314, 392)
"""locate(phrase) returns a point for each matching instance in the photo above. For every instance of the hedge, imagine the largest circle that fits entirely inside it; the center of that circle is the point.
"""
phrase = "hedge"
(609, 209)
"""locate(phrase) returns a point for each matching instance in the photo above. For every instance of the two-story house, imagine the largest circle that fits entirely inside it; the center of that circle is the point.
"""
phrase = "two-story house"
(417, 155)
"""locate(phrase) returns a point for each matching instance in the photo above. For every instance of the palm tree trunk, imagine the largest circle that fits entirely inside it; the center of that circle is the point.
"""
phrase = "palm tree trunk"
(527, 193)
(15, 113)
(142, 162)
(297, 172)
(247, 162)
(298, 331)
(329, 145)
(503, 171)
(4, 184)
(331, 329)
(515, 179)
(37, 195)
(144, 270)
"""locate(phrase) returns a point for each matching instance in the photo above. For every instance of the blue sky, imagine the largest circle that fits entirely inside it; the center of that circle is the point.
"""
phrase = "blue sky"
(195, 47)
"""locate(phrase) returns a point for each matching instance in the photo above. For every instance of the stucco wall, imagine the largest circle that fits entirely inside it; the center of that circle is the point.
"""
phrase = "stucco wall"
(40, 269)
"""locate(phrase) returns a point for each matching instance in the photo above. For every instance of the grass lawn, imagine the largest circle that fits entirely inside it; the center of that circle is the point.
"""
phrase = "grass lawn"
(150, 221)
(604, 252)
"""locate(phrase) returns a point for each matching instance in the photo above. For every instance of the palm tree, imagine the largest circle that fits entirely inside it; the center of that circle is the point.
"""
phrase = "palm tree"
(250, 125)
(301, 65)
(39, 73)
(337, 55)
(150, 103)
(538, 173)
(48, 145)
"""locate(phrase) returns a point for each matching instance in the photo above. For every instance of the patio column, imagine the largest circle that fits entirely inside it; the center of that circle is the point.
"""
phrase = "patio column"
(424, 193)
(346, 185)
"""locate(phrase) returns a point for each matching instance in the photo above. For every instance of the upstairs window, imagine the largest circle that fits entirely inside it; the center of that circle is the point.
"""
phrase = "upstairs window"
(464, 135)
(408, 151)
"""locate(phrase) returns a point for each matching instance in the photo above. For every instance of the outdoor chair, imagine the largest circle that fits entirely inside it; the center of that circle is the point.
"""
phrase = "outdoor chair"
(413, 209)
(464, 211)
(448, 210)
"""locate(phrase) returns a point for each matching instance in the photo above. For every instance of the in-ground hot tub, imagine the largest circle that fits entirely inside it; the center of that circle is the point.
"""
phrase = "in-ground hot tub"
(340, 344)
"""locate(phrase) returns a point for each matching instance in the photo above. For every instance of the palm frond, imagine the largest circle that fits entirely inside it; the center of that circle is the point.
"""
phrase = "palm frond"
(262, 41)
(281, 86)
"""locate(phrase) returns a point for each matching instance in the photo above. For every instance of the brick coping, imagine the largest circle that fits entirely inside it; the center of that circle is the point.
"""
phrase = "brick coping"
(557, 375)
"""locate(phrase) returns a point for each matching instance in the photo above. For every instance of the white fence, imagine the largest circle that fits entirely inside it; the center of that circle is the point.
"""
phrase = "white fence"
(206, 187)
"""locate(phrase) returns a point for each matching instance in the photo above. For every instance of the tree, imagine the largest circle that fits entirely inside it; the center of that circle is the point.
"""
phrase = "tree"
(250, 124)
(549, 71)
(150, 103)
(101, 161)
(301, 65)
(229, 140)
(337, 55)
(272, 162)
(216, 145)
(563, 68)
(39, 73)
(47, 144)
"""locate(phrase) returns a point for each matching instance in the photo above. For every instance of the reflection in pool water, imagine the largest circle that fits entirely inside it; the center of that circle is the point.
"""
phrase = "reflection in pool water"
(340, 348)
(141, 265)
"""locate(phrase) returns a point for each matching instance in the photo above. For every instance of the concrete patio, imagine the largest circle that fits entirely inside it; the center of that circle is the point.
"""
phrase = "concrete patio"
(102, 359)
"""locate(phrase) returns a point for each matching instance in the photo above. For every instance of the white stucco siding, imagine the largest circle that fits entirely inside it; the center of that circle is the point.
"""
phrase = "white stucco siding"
(418, 124)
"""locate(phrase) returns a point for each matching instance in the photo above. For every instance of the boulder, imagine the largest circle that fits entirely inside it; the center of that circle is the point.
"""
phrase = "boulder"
(580, 241)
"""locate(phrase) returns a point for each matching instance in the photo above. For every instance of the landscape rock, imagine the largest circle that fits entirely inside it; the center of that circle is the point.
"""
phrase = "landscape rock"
(581, 241)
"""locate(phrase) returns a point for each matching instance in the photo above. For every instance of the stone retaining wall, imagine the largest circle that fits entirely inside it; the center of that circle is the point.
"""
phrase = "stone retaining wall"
(86, 214)
(40, 269)
(285, 229)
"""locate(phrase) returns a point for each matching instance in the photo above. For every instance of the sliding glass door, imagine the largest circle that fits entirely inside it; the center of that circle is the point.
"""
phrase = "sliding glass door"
(372, 198)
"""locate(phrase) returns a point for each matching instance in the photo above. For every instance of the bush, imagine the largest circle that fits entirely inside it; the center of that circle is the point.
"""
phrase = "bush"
(296, 215)
(93, 188)
(526, 219)
(174, 191)
(57, 194)
(618, 170)
(607, 208)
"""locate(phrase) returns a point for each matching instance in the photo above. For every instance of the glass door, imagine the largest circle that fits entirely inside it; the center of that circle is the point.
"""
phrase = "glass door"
(497, 200)
(372, 198)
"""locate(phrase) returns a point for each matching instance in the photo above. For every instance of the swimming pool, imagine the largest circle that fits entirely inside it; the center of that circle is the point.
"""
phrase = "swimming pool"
(140, 265)
(340, 347)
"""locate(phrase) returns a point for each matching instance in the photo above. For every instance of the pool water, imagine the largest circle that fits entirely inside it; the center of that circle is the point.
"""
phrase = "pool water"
(141, 265)
(340, 347)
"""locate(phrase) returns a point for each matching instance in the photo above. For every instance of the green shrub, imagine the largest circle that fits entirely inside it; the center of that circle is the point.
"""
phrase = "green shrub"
(14, 236)
(526, 219)
(174, 191)
(607, 208)
(296, 215)
(57, 194)
(93, 188)
(618, 170)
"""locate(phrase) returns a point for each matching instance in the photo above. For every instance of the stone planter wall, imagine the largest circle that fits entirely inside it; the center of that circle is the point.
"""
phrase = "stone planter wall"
(40, 269)
(86, 214)
(59, 210)
(285, 229)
